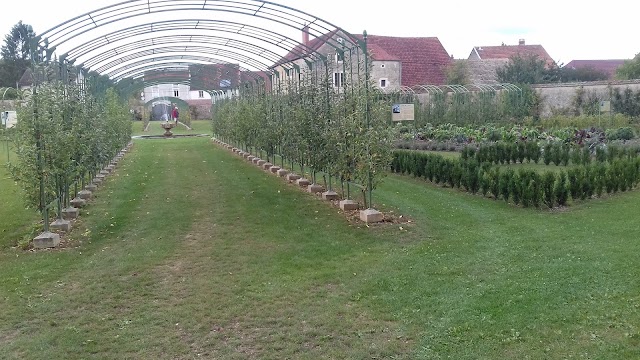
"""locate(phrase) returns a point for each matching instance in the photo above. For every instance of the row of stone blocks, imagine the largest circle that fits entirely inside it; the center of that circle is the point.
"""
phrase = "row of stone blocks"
(51, 239)
(368, 215)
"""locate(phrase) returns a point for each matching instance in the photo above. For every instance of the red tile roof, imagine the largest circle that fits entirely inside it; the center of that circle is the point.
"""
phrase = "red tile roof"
(313, 45)
(509, 51)
(424, 60)
(608, 67)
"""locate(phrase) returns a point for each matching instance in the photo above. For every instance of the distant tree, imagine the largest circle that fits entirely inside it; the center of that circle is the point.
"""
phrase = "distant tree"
(17, 42)
(630, 69)
(16, 54)
(528, 69)
(458, 73)
(586, 73)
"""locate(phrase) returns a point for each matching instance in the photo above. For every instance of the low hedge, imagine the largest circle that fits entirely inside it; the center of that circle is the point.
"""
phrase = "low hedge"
(522, 187)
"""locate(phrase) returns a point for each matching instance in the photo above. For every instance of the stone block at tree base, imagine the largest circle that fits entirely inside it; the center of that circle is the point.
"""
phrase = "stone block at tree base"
(283, 173)
(70, 213)
(274, 169)
(85, 194)
(61, 225)
(255, 160)
(250, 158)
(293, 177)
(330, 195)
(261, 162)
(349, 205)
(91, 187)
(104, 172)
(100, 176)
(303, 182)
(371, 216)
(315, 188)
(46, 240)
(78, 203)
(267, 165)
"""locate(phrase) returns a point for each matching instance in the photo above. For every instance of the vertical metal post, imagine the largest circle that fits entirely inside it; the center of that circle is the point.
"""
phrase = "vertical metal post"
(39, 146)
(367, 114)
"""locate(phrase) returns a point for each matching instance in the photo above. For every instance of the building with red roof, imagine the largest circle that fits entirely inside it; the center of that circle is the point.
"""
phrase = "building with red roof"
(483, 61)
(608, 67)
(396, 61)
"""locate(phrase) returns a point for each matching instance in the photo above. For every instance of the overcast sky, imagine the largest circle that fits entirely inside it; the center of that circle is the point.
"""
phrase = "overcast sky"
(567, 29)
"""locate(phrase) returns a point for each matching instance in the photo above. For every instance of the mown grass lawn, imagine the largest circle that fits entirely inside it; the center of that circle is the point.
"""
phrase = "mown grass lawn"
(189, 251)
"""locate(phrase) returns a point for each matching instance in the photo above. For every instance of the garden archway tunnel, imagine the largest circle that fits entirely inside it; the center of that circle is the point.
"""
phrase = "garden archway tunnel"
(129, 38)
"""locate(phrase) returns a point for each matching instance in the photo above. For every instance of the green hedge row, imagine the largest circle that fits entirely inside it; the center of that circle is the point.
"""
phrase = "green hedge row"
(522, 187)
(557, 153)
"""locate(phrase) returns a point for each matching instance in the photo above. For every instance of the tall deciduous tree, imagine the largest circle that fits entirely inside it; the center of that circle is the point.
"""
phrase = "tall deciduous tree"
(527, 70)
(630, 69)
(458, 73)
(16, 54)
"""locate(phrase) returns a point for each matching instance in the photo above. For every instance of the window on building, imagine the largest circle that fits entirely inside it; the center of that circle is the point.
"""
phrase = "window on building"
(201, 94)
(338, 79)
(383, 83)
(176, 93)
(339, 57)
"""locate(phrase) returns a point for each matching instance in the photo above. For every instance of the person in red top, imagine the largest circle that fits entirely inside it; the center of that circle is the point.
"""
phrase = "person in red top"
(175, 113)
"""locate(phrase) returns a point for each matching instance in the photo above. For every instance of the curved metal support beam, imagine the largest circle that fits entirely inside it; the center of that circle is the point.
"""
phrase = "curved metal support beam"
(457, 89)
(430, 88)
(122, 63)
(170, 64)
(181, 39)
(195, 27)
(275, 13)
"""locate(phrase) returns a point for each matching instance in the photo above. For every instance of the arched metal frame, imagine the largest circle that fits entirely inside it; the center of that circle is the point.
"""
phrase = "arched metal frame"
(248, 54)
(170, 63)
(115, 72)
(199, 40)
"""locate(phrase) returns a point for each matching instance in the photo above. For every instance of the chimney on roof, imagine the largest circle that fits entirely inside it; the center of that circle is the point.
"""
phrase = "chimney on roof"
(305, 35)
(521, 42)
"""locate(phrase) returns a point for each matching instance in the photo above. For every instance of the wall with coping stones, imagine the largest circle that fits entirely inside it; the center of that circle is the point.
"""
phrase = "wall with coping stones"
(8, 105)
(559, 96)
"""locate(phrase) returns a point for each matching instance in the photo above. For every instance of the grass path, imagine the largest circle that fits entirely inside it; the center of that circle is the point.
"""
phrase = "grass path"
(190, 252)
(185, 255)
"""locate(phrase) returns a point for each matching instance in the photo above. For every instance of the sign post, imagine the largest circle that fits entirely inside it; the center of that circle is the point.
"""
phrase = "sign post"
(403, 112)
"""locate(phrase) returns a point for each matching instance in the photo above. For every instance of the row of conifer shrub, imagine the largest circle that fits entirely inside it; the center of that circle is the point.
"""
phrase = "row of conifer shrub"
(557, 153)
(524, 187)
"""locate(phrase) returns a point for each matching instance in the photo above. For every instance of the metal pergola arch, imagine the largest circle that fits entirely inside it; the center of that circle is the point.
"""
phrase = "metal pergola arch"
(135, 86)
(117, 66)
(283, 15)
(429, 88)
(138, 68)
(268, 37)
(173, 67)
(180, 39)
(270, 11)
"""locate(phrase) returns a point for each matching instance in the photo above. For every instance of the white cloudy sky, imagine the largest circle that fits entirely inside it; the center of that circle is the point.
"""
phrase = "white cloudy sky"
(567, 29)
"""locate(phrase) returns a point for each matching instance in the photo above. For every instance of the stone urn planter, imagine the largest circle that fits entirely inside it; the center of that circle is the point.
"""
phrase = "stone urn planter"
(167, 126)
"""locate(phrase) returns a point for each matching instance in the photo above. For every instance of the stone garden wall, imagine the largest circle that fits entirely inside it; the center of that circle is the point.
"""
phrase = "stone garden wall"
(559, 96)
